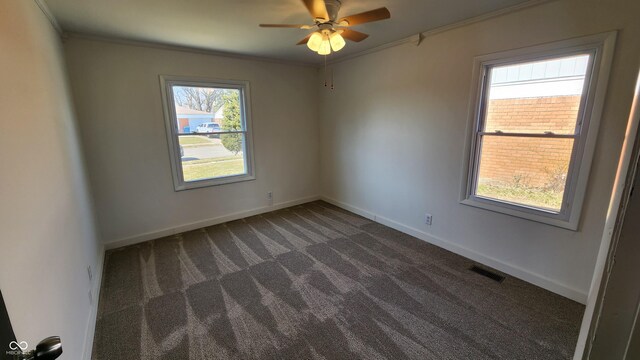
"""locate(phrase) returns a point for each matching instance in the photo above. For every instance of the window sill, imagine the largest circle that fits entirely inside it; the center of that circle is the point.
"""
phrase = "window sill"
(532, 214)
(213, 182)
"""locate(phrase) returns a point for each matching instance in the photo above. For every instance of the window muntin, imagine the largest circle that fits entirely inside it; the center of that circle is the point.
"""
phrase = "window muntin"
(208, 129)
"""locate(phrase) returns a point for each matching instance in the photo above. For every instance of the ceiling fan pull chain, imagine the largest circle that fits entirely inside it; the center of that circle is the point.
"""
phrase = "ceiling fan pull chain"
(325, 71)
(332, 79)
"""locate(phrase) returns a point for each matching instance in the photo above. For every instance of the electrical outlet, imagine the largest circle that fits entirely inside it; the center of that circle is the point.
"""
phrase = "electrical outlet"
(90, 273)
(270, 197)
(428, 219)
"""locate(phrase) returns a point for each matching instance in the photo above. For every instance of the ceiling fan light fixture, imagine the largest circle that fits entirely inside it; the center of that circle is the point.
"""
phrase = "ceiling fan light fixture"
(331, 31)
(314, 41)
(337, 41)
(325, 46)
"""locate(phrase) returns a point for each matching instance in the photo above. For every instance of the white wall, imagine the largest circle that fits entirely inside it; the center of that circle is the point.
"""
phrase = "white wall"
(393, 133)
(47, 236)
(117, 92)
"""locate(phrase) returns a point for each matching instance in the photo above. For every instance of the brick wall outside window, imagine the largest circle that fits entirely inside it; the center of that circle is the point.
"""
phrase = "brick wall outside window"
(529, 162)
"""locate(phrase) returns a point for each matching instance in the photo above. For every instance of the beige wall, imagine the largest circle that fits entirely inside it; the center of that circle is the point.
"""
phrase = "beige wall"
(393, 140)
(117, 92)
(47, 238)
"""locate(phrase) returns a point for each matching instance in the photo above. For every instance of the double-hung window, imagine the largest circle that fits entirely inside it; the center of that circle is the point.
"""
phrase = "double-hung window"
(209, 131)
(533, 129)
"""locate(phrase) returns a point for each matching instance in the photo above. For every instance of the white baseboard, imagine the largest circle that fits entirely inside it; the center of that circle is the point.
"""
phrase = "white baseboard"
(513, 270)
(203, 223)
(93, 315)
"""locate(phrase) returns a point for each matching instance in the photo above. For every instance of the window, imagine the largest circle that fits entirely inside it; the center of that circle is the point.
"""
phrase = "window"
(534, 125)
(208, 129)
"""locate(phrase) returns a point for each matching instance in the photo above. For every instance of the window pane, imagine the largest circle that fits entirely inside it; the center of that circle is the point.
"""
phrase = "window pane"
(212, 156)
(206, 110)
(527, 171)
(536, 97)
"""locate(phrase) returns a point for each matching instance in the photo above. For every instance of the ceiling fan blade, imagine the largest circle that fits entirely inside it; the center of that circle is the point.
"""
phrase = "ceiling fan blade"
(317, 9)
(365, 17)
(305, 40)
(295, 26)
(353, 35)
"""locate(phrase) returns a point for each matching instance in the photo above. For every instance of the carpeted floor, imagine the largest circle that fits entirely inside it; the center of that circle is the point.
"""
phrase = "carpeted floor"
(313, 282)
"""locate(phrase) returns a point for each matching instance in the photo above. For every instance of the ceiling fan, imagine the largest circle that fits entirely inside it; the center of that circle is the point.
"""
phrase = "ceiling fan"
(331, 30)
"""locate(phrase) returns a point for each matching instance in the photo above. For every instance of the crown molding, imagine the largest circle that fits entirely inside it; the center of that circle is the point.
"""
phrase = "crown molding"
(193, 50)
(413, 39)
(52, 19)
(417, 38)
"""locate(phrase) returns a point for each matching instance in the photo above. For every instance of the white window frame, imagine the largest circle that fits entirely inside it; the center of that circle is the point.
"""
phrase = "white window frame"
(600, 47)
(167, 82)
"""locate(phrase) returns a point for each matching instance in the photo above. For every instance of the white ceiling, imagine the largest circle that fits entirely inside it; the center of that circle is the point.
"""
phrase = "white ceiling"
(232, 25)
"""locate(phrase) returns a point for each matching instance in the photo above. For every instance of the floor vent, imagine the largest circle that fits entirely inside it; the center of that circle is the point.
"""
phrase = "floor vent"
(487, 273)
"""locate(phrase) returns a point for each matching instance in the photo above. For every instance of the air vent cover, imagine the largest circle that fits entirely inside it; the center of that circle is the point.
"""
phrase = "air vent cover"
(487, 273)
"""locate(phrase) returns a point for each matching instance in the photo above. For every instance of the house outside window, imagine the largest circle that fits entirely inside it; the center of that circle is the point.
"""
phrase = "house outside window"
(533, 129)
(208, 127)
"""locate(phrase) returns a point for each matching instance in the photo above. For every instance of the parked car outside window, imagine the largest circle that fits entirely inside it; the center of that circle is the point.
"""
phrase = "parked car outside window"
(208, 127)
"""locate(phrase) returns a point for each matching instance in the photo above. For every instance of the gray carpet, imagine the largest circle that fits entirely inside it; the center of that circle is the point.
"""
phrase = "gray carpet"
(317, 282)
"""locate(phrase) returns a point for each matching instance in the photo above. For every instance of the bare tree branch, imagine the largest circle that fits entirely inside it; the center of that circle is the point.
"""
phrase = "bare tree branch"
(198, 98)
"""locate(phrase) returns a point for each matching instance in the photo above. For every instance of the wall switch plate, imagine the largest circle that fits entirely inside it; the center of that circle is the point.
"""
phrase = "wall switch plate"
(428, 219)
